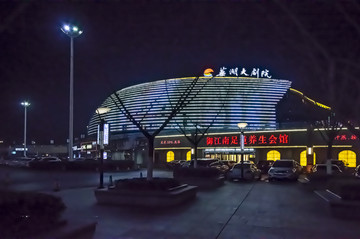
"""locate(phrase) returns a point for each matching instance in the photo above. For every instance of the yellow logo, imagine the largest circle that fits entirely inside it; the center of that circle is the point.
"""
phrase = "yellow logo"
(207, 72)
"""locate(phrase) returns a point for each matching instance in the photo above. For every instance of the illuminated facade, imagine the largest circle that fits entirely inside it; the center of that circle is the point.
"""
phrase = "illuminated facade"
(219, 102)
(267, 145)
(228, 99)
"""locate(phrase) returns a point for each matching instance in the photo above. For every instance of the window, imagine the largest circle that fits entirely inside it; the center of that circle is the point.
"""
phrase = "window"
(273, 155)
(348, 157)
(303, 159)
(188, 156)
(170, 156)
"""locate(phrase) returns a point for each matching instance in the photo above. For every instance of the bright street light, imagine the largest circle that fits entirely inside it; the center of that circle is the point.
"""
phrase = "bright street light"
(25, 104)
(241, 127)
(100, 111)
(72, 32)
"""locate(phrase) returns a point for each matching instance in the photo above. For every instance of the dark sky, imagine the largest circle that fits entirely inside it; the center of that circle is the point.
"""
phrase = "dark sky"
(130, 42)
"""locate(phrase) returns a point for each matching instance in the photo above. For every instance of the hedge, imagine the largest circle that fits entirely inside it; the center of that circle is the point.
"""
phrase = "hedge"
(24, 214)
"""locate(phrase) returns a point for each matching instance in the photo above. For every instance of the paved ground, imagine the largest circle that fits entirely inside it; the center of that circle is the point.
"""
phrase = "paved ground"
(259, 210)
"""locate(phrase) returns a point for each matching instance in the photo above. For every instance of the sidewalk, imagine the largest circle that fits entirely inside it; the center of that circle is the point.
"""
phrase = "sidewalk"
(236, 210)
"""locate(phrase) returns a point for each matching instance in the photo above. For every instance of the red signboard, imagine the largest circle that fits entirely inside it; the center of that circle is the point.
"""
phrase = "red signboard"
(250, 140)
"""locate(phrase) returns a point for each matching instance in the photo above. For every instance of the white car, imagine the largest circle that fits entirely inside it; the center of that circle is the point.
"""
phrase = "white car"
(49, 159)
(285, 169)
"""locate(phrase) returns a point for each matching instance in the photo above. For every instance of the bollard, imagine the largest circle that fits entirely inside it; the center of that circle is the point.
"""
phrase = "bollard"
(111, 183)
(56, 186)
(141, 175)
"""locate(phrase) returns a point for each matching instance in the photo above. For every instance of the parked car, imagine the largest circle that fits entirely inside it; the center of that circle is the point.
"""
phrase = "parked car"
(201, 162)
(175, 163)
(264, 166)
(321, 168)
(339, 163)
(19, 162)
(285, 169)
(49, 159)
(223, 165)
(357, 171)
(250, 171)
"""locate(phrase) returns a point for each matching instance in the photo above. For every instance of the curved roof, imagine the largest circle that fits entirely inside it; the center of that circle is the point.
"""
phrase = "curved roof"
(221, 102)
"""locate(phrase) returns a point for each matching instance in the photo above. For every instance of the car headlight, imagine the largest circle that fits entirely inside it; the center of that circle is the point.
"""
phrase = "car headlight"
(294, 170)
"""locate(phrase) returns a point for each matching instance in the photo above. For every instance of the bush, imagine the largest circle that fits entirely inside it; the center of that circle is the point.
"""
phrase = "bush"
(28, 213)
(157, 184)
(200, 172)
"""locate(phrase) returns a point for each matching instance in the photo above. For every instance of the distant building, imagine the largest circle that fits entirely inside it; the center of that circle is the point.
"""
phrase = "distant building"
(219, 103)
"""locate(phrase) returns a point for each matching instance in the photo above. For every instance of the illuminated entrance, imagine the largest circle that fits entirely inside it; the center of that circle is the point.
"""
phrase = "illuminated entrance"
(230, 154)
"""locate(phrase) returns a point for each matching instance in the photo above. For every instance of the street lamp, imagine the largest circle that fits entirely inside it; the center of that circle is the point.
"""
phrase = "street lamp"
(241, 127)
(99, 112)
(72, 31)
(25, 104)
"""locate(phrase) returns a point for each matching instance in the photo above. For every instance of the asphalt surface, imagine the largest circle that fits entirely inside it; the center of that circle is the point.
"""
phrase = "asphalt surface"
(259, 210)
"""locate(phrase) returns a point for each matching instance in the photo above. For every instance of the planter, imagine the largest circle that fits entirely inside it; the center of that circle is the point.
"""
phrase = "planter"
(146, 198)
(204, 183)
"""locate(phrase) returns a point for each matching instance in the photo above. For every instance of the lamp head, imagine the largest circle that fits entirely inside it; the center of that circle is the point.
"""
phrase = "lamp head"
(242, 125)
(25, 103)
(102, 110)
(71, 30)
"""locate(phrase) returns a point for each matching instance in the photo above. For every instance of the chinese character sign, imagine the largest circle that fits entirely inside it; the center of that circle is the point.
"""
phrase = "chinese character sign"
(249, 140)
(254, 72)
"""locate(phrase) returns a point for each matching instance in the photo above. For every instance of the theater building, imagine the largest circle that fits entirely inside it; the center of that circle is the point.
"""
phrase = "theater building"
(214, 105)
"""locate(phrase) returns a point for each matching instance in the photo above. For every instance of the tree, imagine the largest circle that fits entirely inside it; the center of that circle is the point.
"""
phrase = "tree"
(182, 98)
(331, 128)
(194, 129)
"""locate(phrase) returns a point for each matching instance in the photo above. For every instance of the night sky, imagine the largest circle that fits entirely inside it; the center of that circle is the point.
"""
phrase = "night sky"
(131, 42)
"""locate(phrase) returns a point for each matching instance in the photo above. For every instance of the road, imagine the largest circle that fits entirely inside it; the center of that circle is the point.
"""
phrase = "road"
(41, 180)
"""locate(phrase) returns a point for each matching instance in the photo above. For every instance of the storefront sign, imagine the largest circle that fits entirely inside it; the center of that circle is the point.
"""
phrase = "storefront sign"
(250, 140)
(344, 137)
(170, 142)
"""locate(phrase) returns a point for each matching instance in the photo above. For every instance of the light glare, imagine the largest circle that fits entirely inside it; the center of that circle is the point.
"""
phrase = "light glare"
(67, 27)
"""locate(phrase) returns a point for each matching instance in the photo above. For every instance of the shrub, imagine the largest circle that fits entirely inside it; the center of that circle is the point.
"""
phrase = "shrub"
(200, 172)
(157, 184)
(28, 213)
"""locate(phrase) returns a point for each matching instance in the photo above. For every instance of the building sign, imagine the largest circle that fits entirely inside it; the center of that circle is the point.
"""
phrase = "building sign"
(170, 142)
(249, 140)
(238, 71)
(106, 134)
(344, 137)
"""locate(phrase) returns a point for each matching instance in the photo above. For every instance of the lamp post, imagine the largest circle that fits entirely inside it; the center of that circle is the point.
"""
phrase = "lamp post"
(241, 127)
(72, 31)
(99, 112)
(25, 104)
